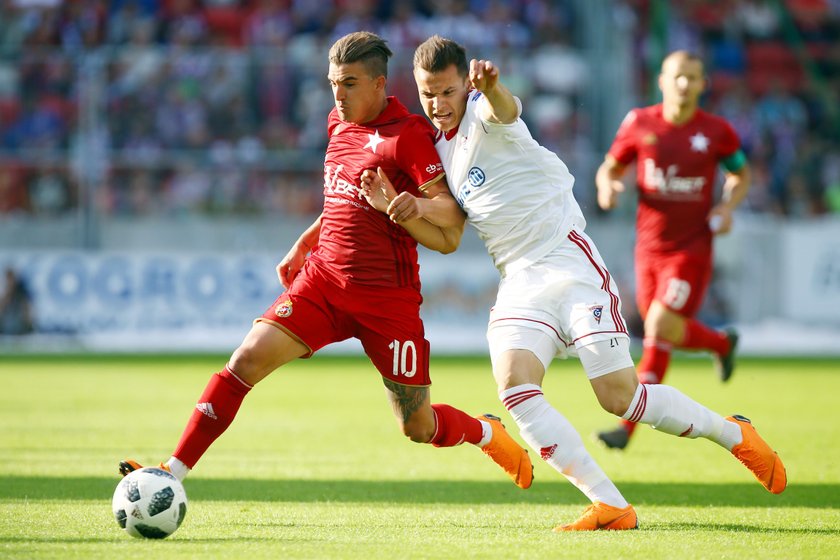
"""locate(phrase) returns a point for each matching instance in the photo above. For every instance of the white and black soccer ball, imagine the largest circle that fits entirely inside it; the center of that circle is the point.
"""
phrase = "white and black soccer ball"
(150, 503)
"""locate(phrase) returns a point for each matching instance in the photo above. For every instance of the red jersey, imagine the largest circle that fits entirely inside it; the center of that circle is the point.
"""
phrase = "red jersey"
(357, 243)
(676, 170)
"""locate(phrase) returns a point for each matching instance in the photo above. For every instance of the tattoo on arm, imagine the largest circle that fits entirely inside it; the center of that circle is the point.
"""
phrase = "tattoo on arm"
(406, 400)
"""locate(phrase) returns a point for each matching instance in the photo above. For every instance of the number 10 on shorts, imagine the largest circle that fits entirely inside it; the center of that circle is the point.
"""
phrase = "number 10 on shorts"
(405, 357)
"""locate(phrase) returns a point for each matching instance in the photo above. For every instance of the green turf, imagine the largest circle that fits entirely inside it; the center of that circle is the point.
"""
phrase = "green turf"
(314, 466)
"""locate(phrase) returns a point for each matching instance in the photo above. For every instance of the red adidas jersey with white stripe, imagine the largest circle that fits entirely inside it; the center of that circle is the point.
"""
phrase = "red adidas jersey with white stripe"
(357, 243)
(676, 170)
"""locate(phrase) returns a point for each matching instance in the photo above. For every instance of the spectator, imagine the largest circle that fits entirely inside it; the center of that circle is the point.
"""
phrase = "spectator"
(16, 316)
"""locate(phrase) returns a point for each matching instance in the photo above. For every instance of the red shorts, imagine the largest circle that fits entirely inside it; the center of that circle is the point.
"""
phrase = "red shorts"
(318, 311)
(678, 281)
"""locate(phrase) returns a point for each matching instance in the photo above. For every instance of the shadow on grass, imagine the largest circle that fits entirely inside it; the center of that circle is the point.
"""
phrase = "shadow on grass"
(429, 491)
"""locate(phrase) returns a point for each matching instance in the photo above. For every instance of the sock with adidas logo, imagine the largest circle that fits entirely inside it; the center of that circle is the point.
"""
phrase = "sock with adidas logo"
(214, 412)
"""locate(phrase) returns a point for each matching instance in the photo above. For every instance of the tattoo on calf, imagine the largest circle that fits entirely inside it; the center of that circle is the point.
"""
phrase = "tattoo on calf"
(406, 399)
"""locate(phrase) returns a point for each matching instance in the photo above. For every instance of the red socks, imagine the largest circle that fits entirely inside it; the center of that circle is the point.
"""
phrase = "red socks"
(214, 412)
(454, 427)
(700, 337)
(656, 354)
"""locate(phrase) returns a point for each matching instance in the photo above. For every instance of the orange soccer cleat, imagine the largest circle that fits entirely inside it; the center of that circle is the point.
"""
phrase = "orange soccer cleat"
(602, 517)
(508, 454)
(757, 456)
(130, 465)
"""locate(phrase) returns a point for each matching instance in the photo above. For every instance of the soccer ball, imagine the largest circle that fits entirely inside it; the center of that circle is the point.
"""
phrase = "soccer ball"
(150, 503)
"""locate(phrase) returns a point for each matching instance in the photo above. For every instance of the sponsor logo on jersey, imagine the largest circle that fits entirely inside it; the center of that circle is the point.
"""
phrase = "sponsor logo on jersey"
(547, 452)
(434, 167)
(667, 181)
(284, 309)
(597, 312)
(333, 184)
(476, 177)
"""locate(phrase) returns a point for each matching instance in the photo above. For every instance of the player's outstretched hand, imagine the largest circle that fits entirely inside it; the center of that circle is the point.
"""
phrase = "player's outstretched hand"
(291, 264)
(720, 219)
(484, 75)
(608, 192)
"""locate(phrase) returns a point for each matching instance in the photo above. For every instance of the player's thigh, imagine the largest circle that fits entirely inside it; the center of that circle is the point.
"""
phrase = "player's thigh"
(265, 348)
(611, 373)
(520, 353)
(645, 285)
(681, 283)
(310, 311)
(392, 335)
(590, 308)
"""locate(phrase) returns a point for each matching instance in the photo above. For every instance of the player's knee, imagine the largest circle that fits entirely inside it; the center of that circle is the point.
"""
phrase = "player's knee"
(615, 390)
(249, 364)
(616, 402)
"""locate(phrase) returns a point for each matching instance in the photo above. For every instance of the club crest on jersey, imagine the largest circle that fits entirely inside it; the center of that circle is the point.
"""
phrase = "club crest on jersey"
(284, 309)
(476, 177)
(597, 312)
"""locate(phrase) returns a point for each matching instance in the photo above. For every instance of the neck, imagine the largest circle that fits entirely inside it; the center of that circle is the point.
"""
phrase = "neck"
(383, 103)
(678, 114)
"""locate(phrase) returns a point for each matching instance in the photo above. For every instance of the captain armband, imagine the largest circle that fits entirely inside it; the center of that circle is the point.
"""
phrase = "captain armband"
(734, 162)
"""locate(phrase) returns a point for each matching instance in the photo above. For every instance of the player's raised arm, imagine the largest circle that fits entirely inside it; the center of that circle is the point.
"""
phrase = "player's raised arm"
(293, 261)
(608, 182)
(501, 106)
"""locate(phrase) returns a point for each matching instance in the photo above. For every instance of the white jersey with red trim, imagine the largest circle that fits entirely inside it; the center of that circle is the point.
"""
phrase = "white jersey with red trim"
(516, 193)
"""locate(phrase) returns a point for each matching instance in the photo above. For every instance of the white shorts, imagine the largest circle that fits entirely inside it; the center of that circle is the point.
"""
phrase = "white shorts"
(568, 295)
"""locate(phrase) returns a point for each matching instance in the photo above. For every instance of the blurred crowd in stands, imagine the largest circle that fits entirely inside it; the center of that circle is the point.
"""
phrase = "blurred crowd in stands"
(170, 107)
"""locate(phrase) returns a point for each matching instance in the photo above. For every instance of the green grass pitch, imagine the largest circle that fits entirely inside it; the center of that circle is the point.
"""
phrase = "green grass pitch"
(315, 467)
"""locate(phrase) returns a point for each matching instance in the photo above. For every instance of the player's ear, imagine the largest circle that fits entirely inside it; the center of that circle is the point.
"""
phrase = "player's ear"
(380, 82)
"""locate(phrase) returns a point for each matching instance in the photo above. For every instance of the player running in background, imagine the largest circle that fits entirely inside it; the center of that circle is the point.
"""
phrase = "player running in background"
(360, 278)
(678, 148)
(556, 295)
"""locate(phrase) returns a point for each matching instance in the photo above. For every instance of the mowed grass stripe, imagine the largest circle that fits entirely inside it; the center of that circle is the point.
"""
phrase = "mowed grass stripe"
(314, 466)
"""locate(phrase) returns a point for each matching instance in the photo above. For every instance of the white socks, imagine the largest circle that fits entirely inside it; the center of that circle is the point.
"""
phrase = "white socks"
(551, 435)
(670, 411)
(486, 433)
(179, 469)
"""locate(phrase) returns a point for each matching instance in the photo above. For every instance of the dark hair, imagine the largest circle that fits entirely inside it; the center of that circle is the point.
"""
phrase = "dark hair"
(437, 53)
(365, 47)
(687, 55)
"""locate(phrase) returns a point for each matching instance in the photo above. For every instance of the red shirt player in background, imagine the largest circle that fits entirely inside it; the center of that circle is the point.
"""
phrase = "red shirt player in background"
(678, 148)
(360, 278)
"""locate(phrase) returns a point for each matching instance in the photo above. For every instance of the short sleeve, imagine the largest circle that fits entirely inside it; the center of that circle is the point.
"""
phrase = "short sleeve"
(729, 141)
(416, 155)
(624, 148)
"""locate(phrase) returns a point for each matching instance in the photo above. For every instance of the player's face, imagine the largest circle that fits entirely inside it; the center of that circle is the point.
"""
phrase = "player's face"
(443, 96)
(358, 97)
(682, 81)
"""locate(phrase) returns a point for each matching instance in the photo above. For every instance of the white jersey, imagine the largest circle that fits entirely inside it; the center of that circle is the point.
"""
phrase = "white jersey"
(516, 193)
